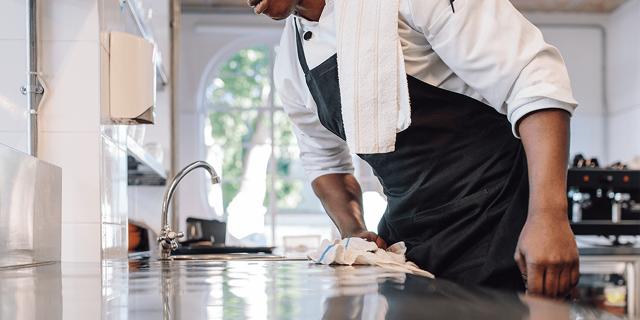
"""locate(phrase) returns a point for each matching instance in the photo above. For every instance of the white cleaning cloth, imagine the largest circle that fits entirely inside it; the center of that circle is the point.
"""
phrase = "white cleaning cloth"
(358, 251)
(373, 81)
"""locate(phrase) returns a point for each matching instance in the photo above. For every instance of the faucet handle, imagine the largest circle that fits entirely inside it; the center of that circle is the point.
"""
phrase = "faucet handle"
(172, 235)
(167, 239)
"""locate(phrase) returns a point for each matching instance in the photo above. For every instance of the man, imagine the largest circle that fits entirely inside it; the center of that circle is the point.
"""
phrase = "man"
(473, 203)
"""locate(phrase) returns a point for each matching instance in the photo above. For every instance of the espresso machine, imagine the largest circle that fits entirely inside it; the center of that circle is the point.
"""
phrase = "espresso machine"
(603, 201)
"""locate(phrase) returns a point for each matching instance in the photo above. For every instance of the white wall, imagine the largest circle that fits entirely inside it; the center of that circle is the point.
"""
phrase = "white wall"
(69, 120)
(582, 49)
(13, 105)
(623, 80)
(581, 40)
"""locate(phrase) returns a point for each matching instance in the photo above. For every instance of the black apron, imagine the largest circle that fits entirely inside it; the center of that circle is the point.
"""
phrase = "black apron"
(456, 186)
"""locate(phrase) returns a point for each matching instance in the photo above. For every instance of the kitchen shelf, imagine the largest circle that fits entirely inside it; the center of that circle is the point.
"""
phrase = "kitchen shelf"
(148, 170)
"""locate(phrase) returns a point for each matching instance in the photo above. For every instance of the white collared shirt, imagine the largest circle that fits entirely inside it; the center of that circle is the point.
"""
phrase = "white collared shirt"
(486, 50)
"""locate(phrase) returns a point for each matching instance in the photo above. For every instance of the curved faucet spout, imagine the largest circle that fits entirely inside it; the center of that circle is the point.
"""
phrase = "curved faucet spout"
(167, 238)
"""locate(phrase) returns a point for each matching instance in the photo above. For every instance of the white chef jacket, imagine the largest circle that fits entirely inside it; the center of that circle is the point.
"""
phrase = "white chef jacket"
(486, 50)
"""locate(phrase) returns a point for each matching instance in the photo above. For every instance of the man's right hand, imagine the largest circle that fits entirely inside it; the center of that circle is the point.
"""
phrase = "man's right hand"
(370, 236)
(341, 197)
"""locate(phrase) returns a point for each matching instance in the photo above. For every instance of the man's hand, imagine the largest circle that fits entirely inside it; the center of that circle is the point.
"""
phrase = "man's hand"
(547, 255)
(370, 236)
(341, 197)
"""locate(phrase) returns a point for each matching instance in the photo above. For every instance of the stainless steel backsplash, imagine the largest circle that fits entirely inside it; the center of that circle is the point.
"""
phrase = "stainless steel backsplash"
(30, 209)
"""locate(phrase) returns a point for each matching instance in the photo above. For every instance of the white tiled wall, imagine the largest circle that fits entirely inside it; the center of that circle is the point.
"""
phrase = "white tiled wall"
(12, 101)
(13, 105)
(78, 154)
(69, 119)
(12, 20)
(70, 70)
(623, 80)
(69, 20)
(81, 242)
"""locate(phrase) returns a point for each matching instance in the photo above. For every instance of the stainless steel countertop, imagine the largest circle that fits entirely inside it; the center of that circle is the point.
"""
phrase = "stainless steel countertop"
(254, 290)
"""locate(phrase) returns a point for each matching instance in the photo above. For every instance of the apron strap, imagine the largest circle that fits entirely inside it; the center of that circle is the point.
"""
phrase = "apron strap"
(301, 57)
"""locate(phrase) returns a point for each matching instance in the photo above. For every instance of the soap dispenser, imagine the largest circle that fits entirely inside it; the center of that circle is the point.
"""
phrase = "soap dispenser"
(132, 79)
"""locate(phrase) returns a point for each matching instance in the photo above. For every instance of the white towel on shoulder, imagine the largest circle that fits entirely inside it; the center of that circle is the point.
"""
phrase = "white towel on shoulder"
(357, 251)
(373, 81)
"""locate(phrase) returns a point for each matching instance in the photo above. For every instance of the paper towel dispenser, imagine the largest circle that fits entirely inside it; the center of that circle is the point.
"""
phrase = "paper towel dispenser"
(132, 79)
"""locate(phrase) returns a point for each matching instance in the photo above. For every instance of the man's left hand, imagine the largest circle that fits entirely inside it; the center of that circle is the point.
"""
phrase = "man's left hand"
(547, 255)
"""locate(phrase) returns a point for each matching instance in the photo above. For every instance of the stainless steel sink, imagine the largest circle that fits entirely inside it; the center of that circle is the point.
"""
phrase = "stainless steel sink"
(235, 256)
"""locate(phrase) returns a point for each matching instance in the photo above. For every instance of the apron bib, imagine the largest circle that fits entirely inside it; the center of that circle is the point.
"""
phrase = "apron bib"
(456, 186)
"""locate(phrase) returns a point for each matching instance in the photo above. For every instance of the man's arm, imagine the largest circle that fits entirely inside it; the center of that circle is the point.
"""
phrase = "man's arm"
(547, 253)
(341, 197)
(325, 157)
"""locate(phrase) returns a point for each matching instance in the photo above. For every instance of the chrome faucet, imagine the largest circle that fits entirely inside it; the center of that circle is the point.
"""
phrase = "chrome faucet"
(167, 240)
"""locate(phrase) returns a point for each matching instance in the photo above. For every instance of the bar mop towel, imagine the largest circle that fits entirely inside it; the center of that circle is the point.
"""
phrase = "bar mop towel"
(373, 81)
(357, 251)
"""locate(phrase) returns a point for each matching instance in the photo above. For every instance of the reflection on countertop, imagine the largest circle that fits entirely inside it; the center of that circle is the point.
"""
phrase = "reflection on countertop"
(254, 290)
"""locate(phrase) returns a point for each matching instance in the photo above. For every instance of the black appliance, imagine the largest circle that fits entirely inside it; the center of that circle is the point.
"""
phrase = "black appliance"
(603, 201)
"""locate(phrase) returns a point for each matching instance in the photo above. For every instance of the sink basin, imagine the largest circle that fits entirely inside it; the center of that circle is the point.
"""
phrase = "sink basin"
(204, 250)
(235, 256)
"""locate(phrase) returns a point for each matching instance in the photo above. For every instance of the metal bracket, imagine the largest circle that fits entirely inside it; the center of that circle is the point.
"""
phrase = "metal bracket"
(37, 90)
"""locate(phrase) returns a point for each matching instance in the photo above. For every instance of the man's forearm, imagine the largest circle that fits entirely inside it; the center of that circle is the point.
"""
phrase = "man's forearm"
(546, 253)
(341, 197)
(545, 135)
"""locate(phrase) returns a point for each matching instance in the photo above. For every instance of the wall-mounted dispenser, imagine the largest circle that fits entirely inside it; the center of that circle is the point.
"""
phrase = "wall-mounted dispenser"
(132, 79)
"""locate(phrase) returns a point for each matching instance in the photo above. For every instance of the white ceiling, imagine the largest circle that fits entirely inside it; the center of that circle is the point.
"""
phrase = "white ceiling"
(602, 6)
(568, 5)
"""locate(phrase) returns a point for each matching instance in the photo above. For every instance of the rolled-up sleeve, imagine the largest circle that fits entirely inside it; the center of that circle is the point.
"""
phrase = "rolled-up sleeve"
(493, 48)
(321, 151)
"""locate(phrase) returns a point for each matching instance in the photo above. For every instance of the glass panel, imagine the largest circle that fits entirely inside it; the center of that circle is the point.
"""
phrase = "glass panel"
(244, 81)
